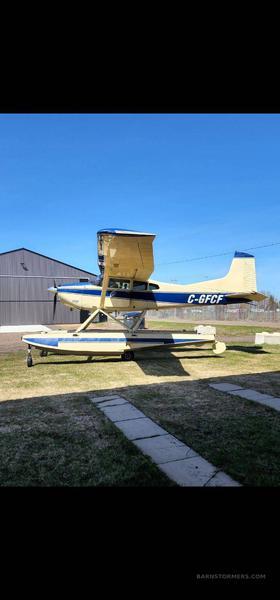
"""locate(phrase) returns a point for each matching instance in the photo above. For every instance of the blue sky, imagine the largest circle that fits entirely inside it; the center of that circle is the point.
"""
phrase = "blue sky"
(205, 184)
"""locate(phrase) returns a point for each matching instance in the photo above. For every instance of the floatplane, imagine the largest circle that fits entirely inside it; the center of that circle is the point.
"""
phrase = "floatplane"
(126, 262)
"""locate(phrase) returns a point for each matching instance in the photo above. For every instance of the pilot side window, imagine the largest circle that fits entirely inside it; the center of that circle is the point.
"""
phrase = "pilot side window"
(119, 284)
(139, 285)
(153, 286)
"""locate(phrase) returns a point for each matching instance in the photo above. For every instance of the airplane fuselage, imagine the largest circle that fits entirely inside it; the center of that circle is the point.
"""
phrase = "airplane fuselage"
(157, 296)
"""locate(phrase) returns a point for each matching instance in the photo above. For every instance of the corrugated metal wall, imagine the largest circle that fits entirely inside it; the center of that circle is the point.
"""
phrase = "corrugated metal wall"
(24, 296)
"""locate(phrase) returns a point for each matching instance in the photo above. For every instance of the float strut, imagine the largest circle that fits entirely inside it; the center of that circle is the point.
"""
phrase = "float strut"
(29, 360)
(88, 321)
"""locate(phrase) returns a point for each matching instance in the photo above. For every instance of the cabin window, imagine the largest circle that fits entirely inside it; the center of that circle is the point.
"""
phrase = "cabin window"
(119, 284)
(153, 286)
(139, 285)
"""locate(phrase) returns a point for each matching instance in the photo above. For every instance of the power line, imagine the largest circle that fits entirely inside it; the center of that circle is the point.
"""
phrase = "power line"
(175, 262)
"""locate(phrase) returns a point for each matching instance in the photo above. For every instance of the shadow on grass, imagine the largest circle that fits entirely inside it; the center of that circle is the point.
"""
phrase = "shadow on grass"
(159, 362)
(75, 362)
(155, 365)
(249, 349)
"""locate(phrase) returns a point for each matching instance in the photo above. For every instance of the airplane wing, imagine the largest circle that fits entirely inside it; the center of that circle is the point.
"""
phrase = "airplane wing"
(125, 254)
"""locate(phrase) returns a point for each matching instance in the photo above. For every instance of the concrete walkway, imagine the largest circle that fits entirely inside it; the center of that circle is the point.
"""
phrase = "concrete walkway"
(178, 461)
(23, 328)
(238, 390)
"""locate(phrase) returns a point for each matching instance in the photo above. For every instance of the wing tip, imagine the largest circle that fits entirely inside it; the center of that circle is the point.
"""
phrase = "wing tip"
(119, 231)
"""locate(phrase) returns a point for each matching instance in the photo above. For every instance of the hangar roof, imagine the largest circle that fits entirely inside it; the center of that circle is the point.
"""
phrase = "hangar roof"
(48, 258)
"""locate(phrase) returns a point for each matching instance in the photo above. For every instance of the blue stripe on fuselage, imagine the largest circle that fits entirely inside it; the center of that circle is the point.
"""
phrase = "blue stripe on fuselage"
(90, 292)
(162, 296)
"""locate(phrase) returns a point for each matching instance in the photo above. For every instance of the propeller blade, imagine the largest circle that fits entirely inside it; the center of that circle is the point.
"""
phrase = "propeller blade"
(54, 299)
(54, 304)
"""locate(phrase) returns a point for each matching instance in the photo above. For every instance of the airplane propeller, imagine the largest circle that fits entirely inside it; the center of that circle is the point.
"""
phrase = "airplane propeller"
(54, 299)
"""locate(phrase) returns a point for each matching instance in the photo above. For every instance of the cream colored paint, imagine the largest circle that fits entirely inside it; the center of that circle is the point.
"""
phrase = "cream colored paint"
(125, 341)
(130, 256)
(241, 279)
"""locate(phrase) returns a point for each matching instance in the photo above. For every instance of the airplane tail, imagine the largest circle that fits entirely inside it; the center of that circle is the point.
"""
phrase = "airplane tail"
(242, 274)
(240, 280)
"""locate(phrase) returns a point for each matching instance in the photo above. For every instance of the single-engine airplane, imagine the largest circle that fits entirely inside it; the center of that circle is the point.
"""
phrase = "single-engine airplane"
(126, 262)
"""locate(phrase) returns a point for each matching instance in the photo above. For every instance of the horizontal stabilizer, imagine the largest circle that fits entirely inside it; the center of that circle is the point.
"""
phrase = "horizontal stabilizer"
(253, 296)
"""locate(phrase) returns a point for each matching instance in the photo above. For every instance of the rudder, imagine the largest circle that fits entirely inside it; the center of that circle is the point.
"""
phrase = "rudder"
(242, 274)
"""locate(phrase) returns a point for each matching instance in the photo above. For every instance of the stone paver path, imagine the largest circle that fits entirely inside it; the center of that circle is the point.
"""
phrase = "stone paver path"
(177, 460)
(238, 390)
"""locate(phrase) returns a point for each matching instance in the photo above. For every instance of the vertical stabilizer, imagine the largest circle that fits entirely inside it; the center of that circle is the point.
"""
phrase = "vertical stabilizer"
(241, 277)
(242, 273)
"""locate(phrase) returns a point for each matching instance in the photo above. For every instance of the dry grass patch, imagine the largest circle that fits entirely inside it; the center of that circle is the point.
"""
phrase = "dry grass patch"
(69, 374)
(222, 329)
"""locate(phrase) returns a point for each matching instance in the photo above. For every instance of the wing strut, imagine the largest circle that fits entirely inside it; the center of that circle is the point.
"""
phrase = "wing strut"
(105, 282)
(101, 309)
(105, 277)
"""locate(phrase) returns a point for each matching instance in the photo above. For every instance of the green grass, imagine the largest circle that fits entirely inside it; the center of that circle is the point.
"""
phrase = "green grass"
(238, 436)
(51, 434)
(66, 441)
(68, 374)
(222, 329)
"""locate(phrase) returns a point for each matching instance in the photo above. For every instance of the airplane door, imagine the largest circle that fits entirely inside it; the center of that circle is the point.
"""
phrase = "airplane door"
(120, 293)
